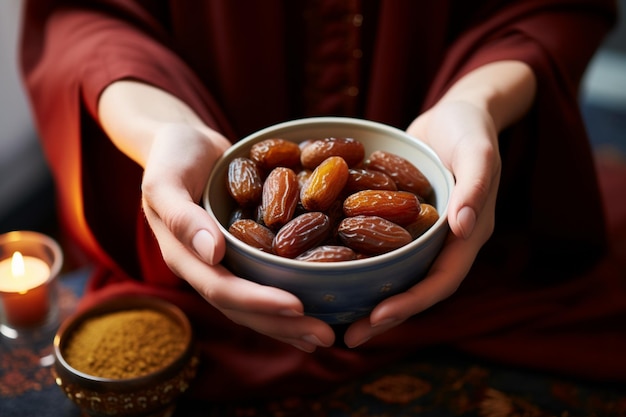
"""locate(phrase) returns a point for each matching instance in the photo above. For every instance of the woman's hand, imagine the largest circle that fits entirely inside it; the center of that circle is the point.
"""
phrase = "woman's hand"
(463, 130)
(178, 153)
(176, 172)
(469, 148)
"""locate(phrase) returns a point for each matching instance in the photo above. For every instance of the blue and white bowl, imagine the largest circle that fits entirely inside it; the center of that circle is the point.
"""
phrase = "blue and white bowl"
(336, 292)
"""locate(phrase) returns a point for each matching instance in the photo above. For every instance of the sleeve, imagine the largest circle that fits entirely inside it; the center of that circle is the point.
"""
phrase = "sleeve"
(70, 51)
(556, 38)
(90, 44)
(549, 183)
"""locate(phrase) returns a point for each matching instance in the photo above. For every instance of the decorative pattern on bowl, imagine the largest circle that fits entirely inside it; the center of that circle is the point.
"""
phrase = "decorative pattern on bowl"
(154, 401)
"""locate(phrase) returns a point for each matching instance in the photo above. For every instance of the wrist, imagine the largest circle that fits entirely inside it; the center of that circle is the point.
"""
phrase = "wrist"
(505, 90)
(133, 113)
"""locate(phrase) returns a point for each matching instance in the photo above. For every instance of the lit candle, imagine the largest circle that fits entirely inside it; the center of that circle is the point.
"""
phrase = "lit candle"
(23, 290)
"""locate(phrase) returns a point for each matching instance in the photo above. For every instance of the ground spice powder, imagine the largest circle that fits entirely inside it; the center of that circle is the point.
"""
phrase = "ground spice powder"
(124, 344)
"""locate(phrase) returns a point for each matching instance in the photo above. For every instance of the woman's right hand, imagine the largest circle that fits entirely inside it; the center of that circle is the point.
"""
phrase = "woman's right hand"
(177, 156)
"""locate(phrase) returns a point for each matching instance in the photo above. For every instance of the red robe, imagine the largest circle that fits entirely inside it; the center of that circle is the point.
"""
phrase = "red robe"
(546, 292)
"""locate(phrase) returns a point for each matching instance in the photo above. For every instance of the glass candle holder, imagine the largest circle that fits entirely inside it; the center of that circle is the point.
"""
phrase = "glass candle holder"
(30, 263)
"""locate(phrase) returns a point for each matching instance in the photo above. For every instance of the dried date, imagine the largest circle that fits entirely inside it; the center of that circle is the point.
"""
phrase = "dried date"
(427, 218)
(253, 234)
(275, 152)
(401, 207)
(316, 151)
(406, 175)
(360, 179)
(372, 235)
(325, 184)
(244, 181)
(328, 253)
(301, 234)
(280, 197)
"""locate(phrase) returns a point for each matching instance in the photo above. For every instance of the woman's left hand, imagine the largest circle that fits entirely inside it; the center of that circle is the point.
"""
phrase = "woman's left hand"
(465, 138)
(463, 129)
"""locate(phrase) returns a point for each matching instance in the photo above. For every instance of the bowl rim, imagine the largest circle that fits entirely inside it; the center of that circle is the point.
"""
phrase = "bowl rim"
(288, 126)
(123, 303)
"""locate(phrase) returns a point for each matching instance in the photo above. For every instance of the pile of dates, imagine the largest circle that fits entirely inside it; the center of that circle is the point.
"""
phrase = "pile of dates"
(322, 200)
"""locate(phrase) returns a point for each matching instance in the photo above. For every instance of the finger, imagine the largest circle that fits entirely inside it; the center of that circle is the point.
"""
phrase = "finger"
(476, 167)
(445, 275)
(189, 223)
(305, 333)
(228, 292)
(443, 279)
(217, 284)
(267, 310)
(172, 184)
(362, 330)
(469, 148)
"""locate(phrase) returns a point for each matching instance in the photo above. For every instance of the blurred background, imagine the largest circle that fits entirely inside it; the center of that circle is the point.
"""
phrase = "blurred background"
(26, 194)
(26, 197)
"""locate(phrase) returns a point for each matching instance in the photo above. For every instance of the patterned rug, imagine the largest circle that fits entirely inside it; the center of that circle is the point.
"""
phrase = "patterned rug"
(437, 385)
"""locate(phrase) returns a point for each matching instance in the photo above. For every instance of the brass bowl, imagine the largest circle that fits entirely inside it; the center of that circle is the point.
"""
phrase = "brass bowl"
(153, 394)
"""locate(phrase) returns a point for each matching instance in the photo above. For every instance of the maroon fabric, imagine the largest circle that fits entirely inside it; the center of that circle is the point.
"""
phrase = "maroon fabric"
(244, 71)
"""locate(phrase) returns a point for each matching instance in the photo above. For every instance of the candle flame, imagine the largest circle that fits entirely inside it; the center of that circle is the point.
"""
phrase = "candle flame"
(17, 264)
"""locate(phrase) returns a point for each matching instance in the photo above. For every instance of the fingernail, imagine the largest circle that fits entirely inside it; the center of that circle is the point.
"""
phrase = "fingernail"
(384, 322)
(467, 221)
(307, 349)
(312, 339)
(204, 245)
(359, 342)
(290, 313)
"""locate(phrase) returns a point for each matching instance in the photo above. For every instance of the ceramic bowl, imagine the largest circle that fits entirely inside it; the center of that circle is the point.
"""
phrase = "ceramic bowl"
(154, 394)
(337, 292)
